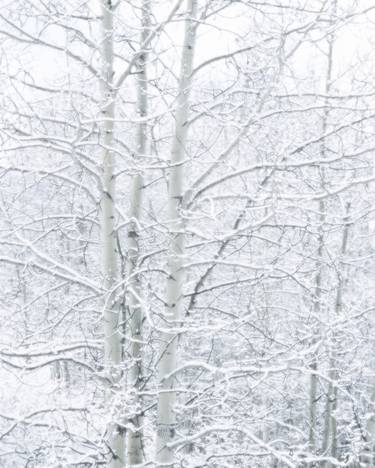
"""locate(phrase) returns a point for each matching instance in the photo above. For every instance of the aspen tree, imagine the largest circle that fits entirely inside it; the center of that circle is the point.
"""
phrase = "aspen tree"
(321, 240)
(134, 306)
(166, 419)
(112, 333)
(330, 423)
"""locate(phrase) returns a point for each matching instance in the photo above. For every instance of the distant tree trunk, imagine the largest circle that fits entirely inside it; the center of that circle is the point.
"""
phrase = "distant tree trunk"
(322, 209)
(317, 307)
(134, 307)
(111, 311)
(368, 459)
(329, 443)
(166, 419)
(330, 423)
(314, 362)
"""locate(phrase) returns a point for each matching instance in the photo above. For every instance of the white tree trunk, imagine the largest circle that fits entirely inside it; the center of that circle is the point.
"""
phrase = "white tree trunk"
(330, 427)
(330, 423)
(368, 458)
(314, 363)
(322, 210)
(317, 307)
(166, 419)
(134, 307)
(112, 334)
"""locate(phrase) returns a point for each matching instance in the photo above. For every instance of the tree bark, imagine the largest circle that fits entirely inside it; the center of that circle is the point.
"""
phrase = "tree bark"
(330, 428)
(330, 423)
(111, 310)
(166, 419)
(322, 209)
(135, 453)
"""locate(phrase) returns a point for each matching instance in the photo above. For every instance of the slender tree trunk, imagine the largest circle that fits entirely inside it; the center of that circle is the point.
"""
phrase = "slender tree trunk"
(166, 419)
(314, 362)
(329, 443)
(135, 453)
(112, 335)
(317, 306)
(330, 423)
(368, 459)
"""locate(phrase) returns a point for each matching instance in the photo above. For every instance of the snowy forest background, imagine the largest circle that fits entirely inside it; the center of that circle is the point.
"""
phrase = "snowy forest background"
(187, 266)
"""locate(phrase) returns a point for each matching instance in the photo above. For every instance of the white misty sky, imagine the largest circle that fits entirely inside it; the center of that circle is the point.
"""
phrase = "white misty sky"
(354, 44)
